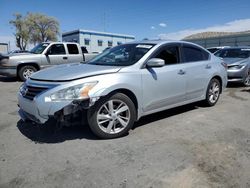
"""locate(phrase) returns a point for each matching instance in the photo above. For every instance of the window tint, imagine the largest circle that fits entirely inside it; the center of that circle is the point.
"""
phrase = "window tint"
(56, 49)
(233, 53)
(191, 54)
(72, 48)
(169, 55)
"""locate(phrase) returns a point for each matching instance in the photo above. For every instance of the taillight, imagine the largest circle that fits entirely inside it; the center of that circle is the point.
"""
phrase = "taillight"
(224, 64)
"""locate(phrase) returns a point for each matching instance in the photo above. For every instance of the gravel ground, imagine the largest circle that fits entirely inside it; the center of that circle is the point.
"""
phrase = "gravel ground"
(189, 146)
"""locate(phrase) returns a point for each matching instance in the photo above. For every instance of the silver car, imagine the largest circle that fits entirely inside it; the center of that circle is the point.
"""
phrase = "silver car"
(238, 63)
(124, 83)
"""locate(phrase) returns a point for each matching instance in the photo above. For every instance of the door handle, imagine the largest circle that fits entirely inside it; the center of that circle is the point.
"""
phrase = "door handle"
(181, 72)
(208, 66)
(65, 57)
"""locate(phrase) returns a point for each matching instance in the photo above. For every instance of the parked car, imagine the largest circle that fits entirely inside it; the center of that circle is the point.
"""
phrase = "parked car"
(215, 49)
(41, 56)
(238, 63)
(121, 85)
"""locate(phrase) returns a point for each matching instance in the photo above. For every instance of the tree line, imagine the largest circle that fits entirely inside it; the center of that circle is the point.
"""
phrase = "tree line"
(34, 28)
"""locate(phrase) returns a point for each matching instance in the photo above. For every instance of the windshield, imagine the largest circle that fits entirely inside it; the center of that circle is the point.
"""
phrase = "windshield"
(39, 48)
(122, 55)
(233, 53)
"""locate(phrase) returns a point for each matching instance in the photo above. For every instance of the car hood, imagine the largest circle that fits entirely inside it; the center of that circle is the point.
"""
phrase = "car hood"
(235, 61)
(73, 71)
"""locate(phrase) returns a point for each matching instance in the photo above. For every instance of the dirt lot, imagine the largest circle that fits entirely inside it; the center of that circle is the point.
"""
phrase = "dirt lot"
(190, 146)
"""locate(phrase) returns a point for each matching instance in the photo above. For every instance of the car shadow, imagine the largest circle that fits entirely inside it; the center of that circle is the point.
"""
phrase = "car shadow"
(48, 134)
(246, 90)
(234, 85)
(8, 79)
(167, 113)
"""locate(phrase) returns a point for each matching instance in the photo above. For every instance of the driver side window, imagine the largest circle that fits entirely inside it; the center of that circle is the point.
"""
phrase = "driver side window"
(169, 54)
(56, 49)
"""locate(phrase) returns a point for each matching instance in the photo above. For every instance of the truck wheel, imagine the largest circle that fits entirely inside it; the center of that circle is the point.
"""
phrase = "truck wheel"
(112, 117)
(26, 71)
(247, 80)
(213, 92)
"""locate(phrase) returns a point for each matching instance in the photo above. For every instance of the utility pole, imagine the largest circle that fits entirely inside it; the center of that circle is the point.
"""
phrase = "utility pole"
(104, 21)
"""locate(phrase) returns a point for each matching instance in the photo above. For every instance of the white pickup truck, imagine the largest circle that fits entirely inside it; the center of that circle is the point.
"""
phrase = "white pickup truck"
(41, 56)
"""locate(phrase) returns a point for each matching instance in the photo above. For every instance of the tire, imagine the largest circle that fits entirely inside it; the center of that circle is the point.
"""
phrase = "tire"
(247, 79)
(213, 92)
(112, 116)
(26, 71)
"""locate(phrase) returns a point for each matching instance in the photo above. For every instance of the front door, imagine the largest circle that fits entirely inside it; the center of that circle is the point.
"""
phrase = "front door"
(56, 55)
(164, 86)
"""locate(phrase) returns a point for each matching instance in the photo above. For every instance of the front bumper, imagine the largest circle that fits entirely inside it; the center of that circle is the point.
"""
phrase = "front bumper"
(237, 75)
(8, 71)
(40, 112)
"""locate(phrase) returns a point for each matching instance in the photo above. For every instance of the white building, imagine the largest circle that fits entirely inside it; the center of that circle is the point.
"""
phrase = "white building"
(96, 41)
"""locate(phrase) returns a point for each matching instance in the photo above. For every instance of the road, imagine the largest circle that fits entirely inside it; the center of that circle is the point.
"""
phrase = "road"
(189, 146)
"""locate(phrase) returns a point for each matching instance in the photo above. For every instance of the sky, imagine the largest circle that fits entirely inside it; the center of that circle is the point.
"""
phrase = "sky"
(165, 19)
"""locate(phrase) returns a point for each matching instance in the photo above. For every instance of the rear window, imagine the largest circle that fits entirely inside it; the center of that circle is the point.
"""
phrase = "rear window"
(233, 53)
(72, 48)
(192, 54)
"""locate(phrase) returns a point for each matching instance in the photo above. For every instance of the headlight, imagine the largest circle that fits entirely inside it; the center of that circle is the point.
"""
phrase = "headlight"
(239, 66)
(80, 91)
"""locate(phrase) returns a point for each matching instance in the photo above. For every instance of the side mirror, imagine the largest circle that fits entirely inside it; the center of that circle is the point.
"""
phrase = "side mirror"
(155, 62)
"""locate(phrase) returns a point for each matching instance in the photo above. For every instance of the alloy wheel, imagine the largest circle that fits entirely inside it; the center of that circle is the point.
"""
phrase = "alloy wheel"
(27, 73)
(214, 92)
(247, 80)
(113, 116)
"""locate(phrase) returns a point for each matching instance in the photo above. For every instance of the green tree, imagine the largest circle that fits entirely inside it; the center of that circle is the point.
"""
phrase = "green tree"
(34, 28)
(22, 31)
(42, 28)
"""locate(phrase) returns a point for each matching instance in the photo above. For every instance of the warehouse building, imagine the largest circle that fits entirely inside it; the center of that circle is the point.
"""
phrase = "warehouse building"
(213, 39)
(96, 41)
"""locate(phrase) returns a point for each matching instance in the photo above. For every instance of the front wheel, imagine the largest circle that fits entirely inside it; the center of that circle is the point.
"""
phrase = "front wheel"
(247, 80)
(26, 71)
(112, 117)
(213, 92)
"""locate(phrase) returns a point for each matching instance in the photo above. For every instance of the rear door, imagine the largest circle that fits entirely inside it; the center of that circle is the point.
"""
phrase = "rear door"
(164, 86)
(74, 53)
(56, 54)
(198, 67)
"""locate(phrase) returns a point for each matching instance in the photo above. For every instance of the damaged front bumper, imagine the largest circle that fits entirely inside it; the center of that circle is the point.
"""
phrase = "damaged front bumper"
(40, 112)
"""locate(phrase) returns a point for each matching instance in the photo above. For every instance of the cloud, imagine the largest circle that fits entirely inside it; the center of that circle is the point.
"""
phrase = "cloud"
(152, 27)
(162, 25)
(233, 26)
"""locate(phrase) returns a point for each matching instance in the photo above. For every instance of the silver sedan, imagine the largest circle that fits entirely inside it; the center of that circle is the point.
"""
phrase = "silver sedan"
(123, 84)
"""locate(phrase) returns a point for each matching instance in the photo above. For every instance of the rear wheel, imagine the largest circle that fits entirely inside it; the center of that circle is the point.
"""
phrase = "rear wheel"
(213, 92)
(112, 117)
(26, 71)
(247, 80)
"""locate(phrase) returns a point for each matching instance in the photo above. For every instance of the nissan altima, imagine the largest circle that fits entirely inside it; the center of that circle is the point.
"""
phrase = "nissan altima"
(124, 83)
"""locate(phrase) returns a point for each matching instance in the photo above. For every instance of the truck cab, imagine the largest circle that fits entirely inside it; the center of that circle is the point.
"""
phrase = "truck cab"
(41, 56)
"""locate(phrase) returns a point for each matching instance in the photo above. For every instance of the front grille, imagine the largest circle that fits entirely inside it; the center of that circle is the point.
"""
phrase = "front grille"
(32, 91)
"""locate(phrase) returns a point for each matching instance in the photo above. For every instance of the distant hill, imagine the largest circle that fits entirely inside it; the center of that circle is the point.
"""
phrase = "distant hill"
(213, 34)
